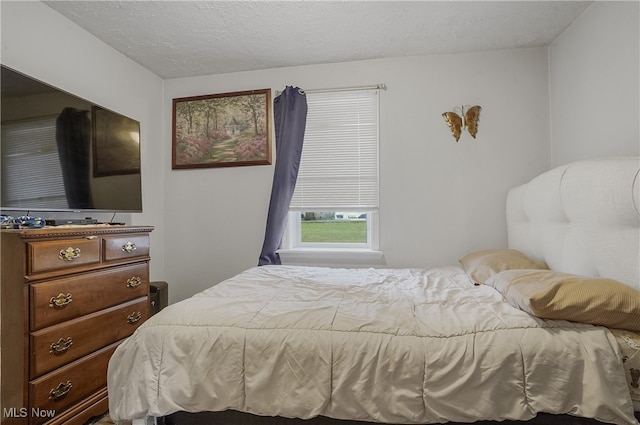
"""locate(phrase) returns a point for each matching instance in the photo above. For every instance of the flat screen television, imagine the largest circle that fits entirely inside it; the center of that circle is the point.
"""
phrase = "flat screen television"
(60, 152)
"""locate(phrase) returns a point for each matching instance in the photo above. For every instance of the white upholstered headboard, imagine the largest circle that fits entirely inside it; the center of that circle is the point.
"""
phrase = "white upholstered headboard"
(581, 218)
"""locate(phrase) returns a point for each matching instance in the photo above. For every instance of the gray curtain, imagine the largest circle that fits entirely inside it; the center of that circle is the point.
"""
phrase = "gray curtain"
(290, 118)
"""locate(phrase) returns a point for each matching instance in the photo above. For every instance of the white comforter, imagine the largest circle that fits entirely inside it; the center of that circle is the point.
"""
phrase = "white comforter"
(392, 345)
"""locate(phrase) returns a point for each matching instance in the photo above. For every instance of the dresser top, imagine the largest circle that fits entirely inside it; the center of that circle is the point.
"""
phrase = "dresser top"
(76, 230)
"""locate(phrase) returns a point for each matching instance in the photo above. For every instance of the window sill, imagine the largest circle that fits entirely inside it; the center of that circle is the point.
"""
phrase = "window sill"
(331, 257)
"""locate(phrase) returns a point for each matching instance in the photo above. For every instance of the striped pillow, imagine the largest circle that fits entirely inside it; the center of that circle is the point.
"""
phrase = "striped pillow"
(481, 265)
(552, 295)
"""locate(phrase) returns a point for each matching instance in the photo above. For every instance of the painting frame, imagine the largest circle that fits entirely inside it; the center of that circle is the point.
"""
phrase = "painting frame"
(221, 130)
(116, 143)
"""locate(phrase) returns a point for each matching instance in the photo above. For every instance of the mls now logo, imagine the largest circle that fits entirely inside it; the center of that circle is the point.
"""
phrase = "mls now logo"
(23, 412)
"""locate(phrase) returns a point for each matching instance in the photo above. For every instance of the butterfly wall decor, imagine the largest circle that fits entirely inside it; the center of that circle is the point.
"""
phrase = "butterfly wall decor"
(467, 119)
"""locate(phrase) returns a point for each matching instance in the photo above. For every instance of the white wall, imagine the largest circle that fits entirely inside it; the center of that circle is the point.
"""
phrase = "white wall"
(595, 84)
(438, 199)
(45, 45)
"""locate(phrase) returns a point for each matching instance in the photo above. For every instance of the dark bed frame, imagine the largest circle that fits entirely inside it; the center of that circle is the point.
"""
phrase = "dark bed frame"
(231, 417)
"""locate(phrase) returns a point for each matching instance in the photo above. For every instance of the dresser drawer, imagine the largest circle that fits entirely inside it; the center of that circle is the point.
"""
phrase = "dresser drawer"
(59, 344)
(62, 299)
(124, 247)
(58, 390)
(62, 254)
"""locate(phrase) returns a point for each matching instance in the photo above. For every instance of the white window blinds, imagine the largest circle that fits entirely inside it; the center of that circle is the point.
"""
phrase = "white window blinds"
(339, 165)
(30, 157)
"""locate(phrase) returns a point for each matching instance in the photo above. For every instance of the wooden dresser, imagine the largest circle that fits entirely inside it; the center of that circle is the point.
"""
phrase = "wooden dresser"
(69, 296)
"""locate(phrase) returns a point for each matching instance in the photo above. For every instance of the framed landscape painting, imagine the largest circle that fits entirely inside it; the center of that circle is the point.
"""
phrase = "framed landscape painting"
(222, 130)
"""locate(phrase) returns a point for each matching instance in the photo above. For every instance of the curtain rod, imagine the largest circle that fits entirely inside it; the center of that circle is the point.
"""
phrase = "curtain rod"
(380, 86)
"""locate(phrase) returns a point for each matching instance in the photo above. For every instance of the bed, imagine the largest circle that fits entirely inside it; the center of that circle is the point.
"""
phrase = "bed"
(470, 342)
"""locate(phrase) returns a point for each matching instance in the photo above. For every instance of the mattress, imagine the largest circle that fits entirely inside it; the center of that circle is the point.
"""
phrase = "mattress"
(402, 346)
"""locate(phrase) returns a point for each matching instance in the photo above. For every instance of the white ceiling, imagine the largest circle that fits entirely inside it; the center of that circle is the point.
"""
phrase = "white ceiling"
(190, 38)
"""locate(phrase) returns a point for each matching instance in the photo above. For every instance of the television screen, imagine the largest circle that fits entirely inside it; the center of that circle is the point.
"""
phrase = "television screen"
(60, 152)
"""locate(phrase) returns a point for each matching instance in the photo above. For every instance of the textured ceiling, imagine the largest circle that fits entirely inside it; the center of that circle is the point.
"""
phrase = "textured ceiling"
(190, 38)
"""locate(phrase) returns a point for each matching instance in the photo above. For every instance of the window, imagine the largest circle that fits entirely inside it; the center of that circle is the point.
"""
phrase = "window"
(335, 203)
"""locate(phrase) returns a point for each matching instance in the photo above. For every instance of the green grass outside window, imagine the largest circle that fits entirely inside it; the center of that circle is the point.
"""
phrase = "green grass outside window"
(334, 231)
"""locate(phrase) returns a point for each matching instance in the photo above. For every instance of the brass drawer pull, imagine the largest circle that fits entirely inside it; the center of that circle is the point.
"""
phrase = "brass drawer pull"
(60, 391)
(69, 254)
(129, 247)
(134, 317)
(133, 282)
(61, 346)
(60, 301)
